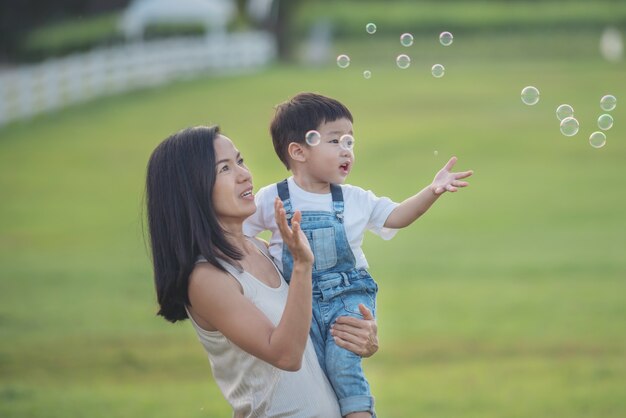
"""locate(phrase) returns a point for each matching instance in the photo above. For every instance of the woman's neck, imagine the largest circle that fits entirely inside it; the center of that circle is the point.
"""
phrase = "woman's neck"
(234, 234)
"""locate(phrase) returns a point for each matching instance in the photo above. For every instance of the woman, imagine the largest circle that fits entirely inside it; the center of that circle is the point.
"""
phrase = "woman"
(253, 326)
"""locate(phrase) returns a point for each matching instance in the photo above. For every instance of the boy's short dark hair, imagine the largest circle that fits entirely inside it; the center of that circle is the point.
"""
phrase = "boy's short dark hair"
(295, 117)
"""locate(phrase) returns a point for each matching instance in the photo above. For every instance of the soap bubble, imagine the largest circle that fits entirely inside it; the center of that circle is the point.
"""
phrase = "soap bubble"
(436, 153)
(403, 61)
(564, 111)
(446, 38)
(367, 74)
(313, 138)
(530, 95)
(438, 70)
(406, 39)
(605, 122)
(346, 142)
(569, 126)
(608, 102)
(370, 28)
(597, 139)
(343, 61)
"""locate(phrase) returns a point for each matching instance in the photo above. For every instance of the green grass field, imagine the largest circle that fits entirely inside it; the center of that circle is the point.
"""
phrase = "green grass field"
(508, 299)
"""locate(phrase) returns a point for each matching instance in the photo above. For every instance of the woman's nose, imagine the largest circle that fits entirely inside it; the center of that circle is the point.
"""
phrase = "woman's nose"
(244, 174)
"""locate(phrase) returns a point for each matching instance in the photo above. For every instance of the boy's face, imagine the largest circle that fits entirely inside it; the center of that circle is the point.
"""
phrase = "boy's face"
(328, 162)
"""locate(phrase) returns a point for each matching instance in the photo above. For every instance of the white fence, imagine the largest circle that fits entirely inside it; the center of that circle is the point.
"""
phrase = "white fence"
(27, 91)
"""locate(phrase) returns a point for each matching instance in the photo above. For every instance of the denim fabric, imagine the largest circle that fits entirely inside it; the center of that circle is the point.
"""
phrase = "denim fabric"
(338, 289)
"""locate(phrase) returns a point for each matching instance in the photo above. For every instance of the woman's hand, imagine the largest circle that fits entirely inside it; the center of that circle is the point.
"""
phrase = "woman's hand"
(293, 237)
(357, 335)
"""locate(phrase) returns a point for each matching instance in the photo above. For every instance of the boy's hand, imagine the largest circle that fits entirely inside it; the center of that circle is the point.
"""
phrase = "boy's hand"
(447, 181)
(293, 237)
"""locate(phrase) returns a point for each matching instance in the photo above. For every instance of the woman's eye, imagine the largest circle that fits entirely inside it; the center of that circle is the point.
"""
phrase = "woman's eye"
(223, 169)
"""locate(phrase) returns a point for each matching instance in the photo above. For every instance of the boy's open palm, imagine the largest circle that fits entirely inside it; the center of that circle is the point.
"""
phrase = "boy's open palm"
(445, 180)
(293, 237)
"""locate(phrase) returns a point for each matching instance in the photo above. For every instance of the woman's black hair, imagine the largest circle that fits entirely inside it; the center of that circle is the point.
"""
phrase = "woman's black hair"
(182, 222)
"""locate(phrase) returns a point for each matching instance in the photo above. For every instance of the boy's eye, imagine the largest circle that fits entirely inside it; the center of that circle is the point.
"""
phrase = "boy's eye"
(240, 161)
(334, 141)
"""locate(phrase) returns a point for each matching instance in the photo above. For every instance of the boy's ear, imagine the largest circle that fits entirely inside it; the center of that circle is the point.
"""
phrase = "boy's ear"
(297, 152)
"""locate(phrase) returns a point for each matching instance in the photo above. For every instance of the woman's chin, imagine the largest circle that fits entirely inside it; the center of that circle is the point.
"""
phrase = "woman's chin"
(250, 211)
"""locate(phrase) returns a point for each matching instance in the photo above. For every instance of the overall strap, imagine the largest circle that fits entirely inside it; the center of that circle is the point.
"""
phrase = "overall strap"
(283, 193)
(337, 195)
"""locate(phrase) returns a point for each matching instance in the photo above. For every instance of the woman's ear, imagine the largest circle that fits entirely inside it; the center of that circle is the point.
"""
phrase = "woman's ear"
(297, 152)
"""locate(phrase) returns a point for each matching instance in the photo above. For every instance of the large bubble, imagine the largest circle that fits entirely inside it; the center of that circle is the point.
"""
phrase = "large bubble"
(343, 61)
(605, 122)
(346, 142)
(597, 139)
(406, 39)
(608, 102)
(446, 38)
(564, 111)
(530, 95)
(403, 61)
(438, 70)
(569, 126)
(313, 138)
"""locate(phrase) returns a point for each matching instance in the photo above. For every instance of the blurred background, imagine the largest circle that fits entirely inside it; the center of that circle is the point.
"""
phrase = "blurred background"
(508, 299)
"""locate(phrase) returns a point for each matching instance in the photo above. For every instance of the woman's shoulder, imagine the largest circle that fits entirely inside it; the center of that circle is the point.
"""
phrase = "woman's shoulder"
(203, 270)
(207, 281)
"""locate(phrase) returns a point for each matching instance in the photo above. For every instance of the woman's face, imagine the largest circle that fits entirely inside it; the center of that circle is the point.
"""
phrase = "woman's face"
(232, 193)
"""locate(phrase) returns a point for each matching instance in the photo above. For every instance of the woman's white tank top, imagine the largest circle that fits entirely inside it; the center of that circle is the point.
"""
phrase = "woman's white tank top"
(255, 388)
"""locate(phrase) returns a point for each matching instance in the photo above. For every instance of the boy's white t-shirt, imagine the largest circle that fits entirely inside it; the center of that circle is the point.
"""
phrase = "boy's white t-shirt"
(363, 210)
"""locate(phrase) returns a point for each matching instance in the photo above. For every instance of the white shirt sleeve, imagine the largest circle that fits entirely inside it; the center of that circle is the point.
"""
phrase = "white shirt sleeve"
(256, 222)
(380, 209)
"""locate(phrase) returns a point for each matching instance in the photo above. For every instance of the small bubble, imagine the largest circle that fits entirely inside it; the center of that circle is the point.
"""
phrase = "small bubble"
(312, 138)
(569, 126)
(564, 111)
(343, 61)
(367, 74)
(406, 39)
(403, 61)
(438, 70)
(597, 139)
(608, 102)
(436, 153)
(605, 122)
(370, 28)
(530, 95)
(446, 38)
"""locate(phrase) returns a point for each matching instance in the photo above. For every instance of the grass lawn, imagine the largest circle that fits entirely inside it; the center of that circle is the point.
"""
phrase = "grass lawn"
(506, 300)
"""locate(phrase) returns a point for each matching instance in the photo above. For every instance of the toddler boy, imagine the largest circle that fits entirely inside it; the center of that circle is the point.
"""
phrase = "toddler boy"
(335, 217)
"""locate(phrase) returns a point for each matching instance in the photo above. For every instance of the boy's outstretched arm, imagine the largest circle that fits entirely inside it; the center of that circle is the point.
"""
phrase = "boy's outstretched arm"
(415, 206)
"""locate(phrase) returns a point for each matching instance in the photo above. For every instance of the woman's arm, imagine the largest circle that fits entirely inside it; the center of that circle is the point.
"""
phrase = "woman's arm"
(357, 335)
(217, 298)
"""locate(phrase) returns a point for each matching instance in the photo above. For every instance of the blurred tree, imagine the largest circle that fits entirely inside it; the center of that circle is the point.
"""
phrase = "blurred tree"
(282, 27)
(17, 17)
(275, 16)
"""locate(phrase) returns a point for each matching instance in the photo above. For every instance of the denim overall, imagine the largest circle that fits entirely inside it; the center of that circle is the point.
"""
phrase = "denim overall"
(338, 289)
